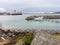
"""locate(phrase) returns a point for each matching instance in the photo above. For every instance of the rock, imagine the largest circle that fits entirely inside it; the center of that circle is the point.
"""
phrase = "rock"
(31, 17)
(44, 38)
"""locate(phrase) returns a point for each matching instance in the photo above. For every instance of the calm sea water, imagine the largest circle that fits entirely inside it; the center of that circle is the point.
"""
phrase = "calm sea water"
(19, 21)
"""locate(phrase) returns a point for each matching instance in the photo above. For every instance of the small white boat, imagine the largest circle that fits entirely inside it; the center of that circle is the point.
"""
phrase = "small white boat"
(38, 19)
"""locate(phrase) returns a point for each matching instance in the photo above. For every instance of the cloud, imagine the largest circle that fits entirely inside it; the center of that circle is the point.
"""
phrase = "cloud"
(2, 10)
(30, 4)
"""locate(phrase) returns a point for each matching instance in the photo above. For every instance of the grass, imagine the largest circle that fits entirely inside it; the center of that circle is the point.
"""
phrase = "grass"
(27, 39)
(19, 41)
(57, 35)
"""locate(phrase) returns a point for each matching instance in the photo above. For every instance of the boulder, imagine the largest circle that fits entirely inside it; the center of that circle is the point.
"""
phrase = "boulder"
(44, 38)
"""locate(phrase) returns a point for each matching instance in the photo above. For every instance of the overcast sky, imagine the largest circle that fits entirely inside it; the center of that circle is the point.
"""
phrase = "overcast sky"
(31, 5)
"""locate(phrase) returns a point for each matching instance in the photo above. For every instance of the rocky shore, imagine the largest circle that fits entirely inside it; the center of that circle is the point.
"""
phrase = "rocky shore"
(29, 37)
(13, 37)
(45, 37)
(44, 17)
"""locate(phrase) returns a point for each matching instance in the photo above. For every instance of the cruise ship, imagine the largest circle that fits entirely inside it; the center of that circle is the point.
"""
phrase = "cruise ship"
(4, 12)
(15, 12)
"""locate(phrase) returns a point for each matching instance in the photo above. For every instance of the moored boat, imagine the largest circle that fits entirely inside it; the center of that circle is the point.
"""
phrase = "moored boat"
(38, 19)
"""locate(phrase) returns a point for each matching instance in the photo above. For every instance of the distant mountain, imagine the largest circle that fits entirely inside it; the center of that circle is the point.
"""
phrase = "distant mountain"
(57, 12)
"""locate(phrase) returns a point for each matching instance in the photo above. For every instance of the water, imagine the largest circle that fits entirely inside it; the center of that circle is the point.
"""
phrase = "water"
(20, 22)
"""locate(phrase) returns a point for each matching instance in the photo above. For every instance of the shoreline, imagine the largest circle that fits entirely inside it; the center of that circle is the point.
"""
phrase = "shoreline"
(37, 34)
(26, 29)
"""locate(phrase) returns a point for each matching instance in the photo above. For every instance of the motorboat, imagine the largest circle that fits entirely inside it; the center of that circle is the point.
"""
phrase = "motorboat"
(38, 19)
